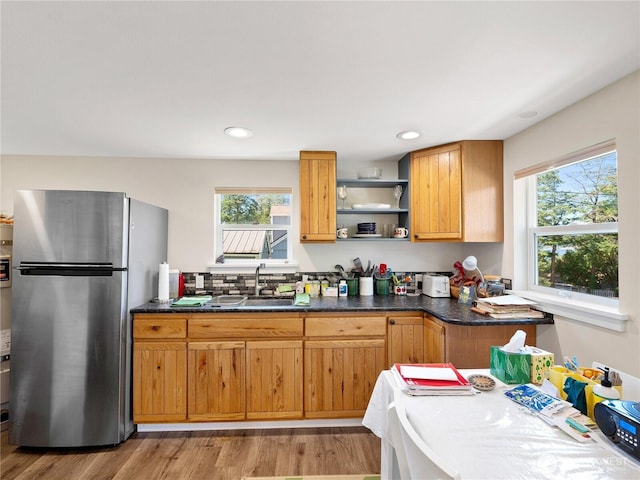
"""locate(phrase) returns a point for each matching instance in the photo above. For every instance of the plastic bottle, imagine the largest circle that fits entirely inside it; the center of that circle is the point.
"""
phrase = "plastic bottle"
(343, 290)
(605, 389)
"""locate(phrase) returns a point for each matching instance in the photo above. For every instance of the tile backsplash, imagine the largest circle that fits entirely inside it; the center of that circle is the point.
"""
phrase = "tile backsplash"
(244, 284)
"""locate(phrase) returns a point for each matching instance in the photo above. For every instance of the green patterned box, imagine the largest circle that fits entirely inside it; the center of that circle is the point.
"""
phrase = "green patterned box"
(512, 368)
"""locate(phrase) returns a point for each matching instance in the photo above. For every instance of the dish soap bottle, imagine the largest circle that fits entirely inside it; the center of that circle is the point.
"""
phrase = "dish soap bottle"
(605, 390)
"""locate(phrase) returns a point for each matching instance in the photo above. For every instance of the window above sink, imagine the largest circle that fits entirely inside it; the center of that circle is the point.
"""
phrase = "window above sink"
(252, 226)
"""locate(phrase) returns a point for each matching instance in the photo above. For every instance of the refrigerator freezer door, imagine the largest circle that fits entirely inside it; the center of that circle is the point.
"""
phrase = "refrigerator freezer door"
(68, 338)
(71, 227)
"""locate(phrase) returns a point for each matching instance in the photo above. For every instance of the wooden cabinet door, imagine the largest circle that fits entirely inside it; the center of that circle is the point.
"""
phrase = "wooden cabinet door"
(340, 376)
(216, 381)
(436, 194)
(434, 341)
(482, 191)
(405, 340)
(318, 197)
(159, 381)
(274, 379)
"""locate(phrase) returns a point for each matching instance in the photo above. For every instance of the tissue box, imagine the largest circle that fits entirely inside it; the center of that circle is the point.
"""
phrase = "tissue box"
(512, 368)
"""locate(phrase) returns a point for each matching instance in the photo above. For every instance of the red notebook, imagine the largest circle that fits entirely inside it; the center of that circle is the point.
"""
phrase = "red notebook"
(430, 376)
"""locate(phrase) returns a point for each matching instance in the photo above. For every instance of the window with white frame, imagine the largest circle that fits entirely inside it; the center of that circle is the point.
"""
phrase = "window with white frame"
(253, 225)
(573, 226)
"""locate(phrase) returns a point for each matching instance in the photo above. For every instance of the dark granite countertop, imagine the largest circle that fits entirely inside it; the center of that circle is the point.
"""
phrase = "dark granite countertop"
(446, 309)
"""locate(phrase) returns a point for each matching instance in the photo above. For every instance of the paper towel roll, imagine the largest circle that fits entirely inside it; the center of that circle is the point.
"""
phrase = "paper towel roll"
(163, 282)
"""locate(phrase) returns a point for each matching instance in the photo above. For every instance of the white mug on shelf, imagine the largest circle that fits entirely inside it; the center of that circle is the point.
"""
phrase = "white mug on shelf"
(400, 232)
(342, 233)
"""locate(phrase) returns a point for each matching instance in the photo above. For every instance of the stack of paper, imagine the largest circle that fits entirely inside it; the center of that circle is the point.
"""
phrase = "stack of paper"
(506, 306)
(431, 379)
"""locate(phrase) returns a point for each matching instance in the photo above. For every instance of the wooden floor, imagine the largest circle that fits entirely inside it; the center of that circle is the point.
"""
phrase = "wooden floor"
(211, 455)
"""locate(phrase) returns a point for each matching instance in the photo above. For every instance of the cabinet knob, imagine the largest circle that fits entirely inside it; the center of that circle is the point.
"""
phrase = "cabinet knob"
(392, 322)
(304, 237)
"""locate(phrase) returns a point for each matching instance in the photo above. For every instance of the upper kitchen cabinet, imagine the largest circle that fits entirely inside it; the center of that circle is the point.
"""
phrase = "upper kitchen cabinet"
(456, 192)
(317, 197)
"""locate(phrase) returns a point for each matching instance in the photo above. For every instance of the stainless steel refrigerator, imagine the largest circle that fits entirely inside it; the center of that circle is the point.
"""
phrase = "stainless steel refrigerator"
(81, 260)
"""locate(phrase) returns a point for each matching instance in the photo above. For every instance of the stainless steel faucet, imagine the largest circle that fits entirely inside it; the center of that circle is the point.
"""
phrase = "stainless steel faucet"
(258, 287)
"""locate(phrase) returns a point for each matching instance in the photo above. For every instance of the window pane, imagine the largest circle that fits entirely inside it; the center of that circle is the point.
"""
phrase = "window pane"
(269, 243)
(585, 192)
(253, 224)
(255, 209)
(586, 263)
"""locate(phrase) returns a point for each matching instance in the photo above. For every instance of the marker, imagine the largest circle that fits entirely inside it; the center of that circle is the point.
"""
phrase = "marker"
(578, 426)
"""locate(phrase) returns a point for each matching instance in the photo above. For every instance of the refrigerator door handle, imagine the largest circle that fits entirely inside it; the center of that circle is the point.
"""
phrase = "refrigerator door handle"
(68, 269)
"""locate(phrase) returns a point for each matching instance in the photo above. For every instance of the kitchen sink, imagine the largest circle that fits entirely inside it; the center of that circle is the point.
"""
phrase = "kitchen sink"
(227, 300)
(239, 301)
(267, 302)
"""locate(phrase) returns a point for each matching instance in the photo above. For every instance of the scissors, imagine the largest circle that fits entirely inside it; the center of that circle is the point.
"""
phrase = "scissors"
(590, 373)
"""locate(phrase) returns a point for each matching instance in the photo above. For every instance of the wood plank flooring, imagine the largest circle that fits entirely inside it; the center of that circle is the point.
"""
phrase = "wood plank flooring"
(211, 455)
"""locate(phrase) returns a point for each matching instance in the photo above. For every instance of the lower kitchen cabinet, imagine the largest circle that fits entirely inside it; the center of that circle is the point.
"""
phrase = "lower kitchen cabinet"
(216, 380)
(274, 379)
(343, 356)
(405, 339)
(340, 376)
(160, 369)
(434, 340)
(200, 367)
(159, 382)
(468, 346)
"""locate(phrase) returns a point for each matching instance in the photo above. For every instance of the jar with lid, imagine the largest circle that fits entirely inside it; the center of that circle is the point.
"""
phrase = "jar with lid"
(494, 285)
(314, 288)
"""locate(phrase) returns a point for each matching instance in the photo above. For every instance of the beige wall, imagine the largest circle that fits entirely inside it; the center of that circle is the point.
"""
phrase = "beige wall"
(185, 187)
(610, 113)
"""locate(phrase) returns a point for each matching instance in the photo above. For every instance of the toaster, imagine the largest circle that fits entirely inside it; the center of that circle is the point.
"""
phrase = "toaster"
(435, 286)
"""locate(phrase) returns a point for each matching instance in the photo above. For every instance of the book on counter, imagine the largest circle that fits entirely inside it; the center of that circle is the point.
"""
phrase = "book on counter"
(431, 379)
(506, 306)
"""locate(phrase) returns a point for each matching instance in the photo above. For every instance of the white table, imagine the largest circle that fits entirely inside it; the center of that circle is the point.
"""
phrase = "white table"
(488, 436)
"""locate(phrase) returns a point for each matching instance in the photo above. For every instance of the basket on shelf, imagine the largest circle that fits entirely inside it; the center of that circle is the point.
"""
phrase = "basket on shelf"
(455, 292)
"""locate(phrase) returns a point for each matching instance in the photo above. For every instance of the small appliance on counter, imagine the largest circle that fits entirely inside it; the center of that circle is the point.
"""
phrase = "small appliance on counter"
(619, 420)
(435, 286)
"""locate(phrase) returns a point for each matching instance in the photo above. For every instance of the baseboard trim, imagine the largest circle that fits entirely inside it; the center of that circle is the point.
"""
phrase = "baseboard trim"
(192, 427)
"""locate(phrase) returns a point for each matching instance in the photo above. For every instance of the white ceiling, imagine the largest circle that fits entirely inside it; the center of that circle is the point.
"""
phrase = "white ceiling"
(163, 79)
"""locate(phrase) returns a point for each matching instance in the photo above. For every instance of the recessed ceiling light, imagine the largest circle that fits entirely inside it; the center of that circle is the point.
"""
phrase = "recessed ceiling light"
(527, 114)
(238, 132)
(408, 135)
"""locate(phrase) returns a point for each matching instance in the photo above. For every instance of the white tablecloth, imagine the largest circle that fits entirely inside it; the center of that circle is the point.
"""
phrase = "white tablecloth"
(488, 436)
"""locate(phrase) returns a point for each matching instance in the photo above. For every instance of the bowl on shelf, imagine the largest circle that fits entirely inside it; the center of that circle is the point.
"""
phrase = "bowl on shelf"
(369, 173)
(366, 228)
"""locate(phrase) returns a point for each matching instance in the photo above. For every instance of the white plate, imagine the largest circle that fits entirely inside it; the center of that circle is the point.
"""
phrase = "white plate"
(374, 206)
(367, 235)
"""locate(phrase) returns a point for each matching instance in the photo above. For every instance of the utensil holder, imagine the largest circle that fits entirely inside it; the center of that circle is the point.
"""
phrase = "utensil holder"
(352, 286)
(366, 286)
(382, 286)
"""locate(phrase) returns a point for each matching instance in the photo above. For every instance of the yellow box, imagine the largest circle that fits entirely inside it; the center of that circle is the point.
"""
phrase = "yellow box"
(559, 374)
(541, 362)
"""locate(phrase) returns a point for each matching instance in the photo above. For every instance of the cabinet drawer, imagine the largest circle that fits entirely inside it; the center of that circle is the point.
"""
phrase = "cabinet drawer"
(159, 327)
(345, 326)
(252, 326)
